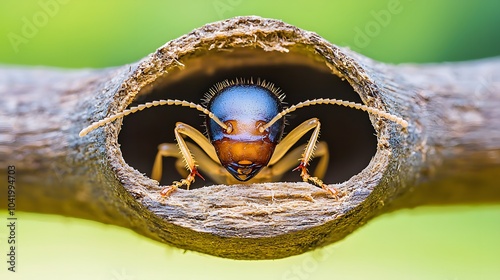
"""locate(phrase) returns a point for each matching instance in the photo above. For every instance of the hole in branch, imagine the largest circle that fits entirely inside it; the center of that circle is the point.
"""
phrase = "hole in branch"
(348, 132)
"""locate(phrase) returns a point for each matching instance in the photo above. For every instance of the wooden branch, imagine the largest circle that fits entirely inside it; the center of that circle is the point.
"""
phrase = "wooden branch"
(450, 153)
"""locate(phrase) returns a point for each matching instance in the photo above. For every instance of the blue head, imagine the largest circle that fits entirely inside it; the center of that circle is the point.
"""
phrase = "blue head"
(244, 106)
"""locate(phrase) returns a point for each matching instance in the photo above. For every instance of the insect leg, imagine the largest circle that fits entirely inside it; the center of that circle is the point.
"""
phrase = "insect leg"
(167, 150)
(198, 138)
(307, 154)
(291, 138)
(213, 169)
(189, 131)
(288, 161)
(323, 154)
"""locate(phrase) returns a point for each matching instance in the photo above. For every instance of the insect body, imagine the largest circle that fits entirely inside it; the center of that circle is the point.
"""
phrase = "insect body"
(245, 123)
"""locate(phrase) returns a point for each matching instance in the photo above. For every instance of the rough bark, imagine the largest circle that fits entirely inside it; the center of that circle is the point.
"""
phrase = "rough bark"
(450, 153)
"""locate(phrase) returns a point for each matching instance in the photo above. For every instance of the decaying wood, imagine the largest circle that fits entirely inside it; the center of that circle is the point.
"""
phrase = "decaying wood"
(450, 153)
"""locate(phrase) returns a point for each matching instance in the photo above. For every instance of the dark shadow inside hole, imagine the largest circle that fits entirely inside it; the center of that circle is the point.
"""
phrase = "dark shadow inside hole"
(348, 132)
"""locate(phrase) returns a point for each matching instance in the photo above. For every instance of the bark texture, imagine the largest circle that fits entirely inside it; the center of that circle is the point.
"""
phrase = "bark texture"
(450, 153)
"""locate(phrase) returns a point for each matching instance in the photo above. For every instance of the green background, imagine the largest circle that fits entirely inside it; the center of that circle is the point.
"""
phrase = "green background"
(455, 242)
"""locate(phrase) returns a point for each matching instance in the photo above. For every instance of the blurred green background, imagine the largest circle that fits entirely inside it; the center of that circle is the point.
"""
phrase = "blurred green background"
(456, 242)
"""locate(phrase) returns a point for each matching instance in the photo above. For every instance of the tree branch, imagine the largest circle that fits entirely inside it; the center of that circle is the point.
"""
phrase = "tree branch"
(450, 152)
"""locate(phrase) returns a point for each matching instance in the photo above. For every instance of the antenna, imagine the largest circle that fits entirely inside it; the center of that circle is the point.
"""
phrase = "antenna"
(349, 104)
(141, 107)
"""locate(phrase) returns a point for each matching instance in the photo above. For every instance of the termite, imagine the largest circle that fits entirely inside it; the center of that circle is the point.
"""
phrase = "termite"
(244, 123)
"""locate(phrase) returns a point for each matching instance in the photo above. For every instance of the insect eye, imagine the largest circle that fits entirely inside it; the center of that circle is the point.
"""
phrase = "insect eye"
(229, 129)
(260, 127)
